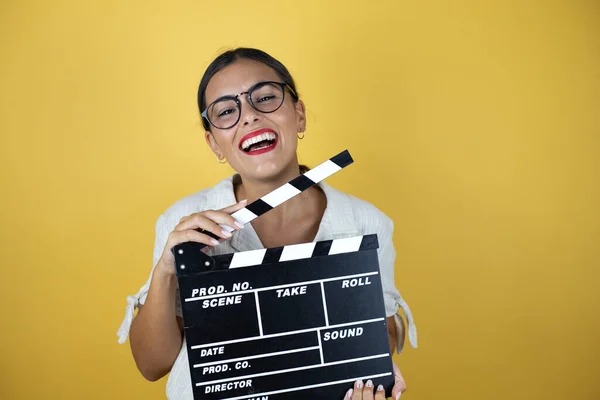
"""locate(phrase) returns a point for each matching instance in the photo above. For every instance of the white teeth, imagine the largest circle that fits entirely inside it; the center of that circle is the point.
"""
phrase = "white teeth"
(265, 136)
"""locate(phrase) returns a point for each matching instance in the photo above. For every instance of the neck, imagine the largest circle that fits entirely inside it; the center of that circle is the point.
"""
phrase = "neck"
(253, 189)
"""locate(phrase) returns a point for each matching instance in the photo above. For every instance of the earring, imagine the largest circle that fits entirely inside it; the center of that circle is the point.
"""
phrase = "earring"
(221, 160)
(301, 137)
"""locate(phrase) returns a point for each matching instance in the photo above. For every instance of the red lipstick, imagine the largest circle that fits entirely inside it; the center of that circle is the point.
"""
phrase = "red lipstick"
(269, 143)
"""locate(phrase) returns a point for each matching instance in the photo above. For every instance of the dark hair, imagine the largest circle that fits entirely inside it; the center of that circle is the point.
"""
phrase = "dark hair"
(228, 58)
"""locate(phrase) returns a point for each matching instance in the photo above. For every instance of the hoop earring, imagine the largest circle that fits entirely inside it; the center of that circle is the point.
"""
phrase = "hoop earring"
(219, 159)
(301, 137)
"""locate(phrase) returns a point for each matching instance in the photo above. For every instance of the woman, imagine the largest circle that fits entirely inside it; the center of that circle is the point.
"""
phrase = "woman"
(253, 119)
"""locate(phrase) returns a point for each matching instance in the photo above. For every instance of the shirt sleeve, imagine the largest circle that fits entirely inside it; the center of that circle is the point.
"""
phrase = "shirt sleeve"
(391, 296)
(162, 231)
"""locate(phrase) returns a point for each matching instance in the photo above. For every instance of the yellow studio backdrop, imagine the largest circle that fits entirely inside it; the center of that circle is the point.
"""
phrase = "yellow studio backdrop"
(474, 125)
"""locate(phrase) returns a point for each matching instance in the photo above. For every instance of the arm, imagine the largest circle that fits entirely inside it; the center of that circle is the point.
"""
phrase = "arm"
(391, 327)
(156, 333)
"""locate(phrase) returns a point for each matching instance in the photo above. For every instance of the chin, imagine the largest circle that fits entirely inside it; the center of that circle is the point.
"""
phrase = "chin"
(267, 171)
(272, 171)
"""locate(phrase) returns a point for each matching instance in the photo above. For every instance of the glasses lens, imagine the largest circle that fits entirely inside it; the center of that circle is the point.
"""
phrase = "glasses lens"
(224, 113)
(267, 97)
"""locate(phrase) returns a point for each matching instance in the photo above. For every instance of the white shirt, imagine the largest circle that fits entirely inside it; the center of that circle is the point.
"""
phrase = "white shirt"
(344, 216)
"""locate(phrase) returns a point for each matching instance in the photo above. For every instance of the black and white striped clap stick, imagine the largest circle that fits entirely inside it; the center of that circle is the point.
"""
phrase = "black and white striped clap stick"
(287, 191)
(291, 189)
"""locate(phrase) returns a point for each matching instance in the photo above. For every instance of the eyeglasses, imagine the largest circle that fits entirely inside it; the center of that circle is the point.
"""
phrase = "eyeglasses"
(265, 97)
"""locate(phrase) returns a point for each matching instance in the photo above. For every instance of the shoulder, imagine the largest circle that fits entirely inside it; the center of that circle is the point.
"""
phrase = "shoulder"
(365, 217)
(216, 197)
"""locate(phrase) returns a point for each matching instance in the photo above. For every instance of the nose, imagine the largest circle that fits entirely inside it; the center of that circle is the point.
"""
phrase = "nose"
(248, 113)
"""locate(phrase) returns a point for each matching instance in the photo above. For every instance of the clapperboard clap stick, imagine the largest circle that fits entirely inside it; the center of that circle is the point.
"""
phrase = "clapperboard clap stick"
(292, 322)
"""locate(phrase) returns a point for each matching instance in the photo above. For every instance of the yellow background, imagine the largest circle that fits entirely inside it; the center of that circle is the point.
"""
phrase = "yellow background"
(473, 124)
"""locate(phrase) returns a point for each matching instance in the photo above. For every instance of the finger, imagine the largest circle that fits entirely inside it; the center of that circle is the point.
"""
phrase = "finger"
(208, 221)
(225, 220)
(368, 390)
(358, 390)
(178, 237)
(396, 394)
(398, 389)
(380, 393)
(398, 378)
(399, 384)
(235, 207)
(349, 394)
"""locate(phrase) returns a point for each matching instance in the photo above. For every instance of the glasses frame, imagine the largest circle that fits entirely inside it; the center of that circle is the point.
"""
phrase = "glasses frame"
(248, 94)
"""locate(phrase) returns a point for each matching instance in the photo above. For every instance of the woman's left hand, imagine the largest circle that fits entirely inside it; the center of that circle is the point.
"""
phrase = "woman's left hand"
(399, 384)
(364, 391)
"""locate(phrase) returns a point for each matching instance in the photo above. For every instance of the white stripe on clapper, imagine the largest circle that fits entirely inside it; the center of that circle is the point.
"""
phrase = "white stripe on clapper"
(346, 245)
(320, 172)
(247, 258)
(244, 216)
(297, 251)
(279, 195)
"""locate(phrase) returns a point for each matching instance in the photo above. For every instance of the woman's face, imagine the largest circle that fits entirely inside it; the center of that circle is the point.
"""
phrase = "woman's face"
(268, 158)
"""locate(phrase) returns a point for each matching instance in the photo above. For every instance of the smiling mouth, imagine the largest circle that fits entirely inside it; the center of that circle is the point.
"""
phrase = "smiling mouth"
(259, 142)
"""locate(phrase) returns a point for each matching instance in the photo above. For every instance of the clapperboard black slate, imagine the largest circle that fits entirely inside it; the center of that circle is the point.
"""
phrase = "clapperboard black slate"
(293, 322)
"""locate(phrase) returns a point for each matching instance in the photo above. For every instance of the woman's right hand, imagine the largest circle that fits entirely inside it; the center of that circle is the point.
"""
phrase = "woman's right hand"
(187, 231)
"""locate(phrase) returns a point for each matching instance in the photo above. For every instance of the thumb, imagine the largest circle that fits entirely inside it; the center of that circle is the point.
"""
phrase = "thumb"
(399, 383)
(235, 207)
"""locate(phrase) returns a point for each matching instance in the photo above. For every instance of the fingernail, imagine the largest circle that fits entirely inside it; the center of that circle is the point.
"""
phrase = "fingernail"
(398, 395)
(380, 388)
(214, 241)
(239, 226)
(358, 384)
(225, 233)
(243, 201)
(349, 393)
(369, 383)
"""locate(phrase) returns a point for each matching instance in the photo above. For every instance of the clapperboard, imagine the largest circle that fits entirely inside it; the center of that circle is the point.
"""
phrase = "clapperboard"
(293, 322)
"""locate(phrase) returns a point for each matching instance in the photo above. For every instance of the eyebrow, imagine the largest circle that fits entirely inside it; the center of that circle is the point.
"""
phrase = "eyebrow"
(233, 96)
(227, 96)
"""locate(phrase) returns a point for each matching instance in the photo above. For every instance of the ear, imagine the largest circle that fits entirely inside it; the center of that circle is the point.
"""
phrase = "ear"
(300, 116)
(212, 143)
